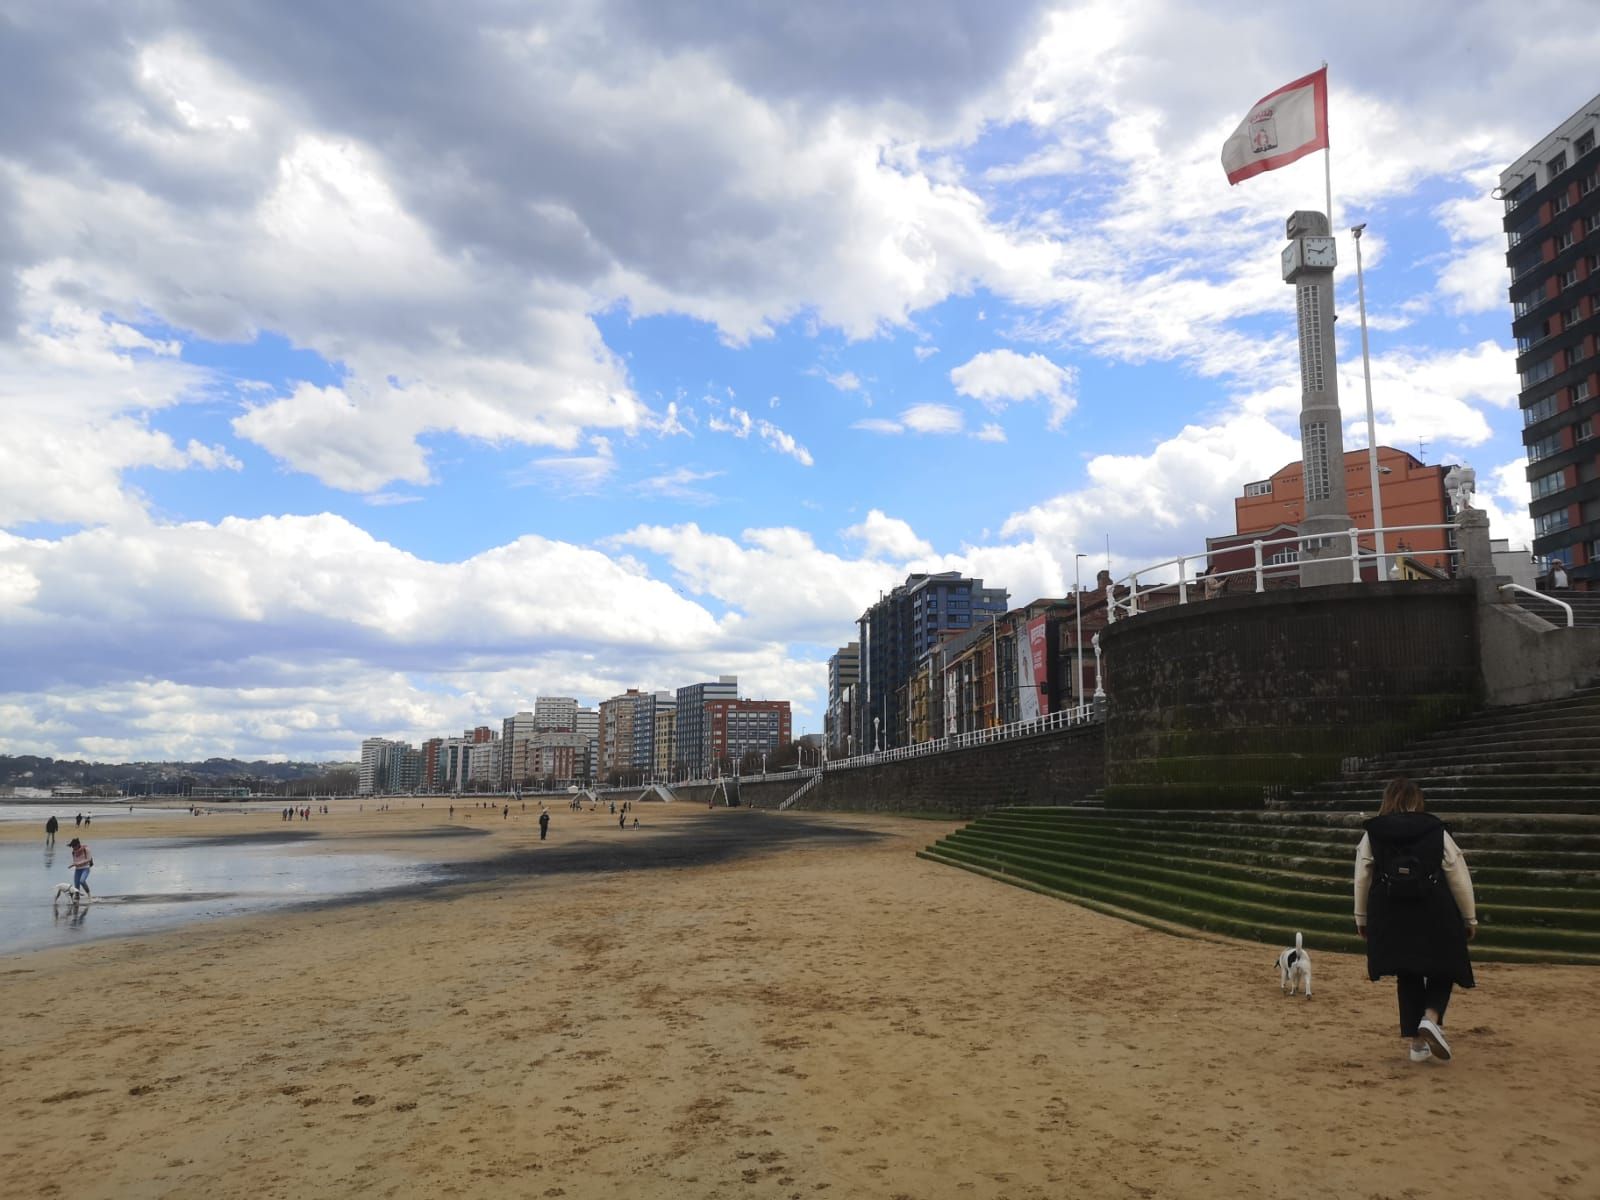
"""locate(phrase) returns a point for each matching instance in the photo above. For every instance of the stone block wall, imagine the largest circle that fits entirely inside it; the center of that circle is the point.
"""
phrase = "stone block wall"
(1214, 703)
(1053, 768)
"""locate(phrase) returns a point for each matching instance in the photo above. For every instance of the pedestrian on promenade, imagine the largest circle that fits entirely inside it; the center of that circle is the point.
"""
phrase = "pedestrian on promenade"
(82, 860)
(1415, 908)
(1558, 576)
(50, 828)
(544, 825)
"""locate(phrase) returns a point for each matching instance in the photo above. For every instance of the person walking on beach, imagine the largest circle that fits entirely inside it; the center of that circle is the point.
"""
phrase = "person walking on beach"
(82, 860)
(50, 828)
(80, 821)
(1415, 908)
(505, 813)
(544, 824)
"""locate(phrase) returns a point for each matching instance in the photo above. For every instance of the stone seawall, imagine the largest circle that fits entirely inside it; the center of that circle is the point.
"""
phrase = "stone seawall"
(1217, 702)
(1060, 767)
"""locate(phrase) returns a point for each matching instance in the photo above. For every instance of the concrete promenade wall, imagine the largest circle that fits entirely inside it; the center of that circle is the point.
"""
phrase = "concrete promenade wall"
(1213, 703)
(1050, 768)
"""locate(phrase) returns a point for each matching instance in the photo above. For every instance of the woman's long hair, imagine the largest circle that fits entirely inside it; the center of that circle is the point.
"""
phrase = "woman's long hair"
(1402, 795)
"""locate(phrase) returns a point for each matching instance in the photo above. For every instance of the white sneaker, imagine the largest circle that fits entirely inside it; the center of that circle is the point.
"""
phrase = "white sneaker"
(1420, 1054)
(1434, 1036)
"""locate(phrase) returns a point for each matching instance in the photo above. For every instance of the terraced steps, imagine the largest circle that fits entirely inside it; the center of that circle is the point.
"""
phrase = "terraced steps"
(1585, 608)
(1264, 875)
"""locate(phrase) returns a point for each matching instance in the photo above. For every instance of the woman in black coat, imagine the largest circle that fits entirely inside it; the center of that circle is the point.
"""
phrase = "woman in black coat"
(1415, 908)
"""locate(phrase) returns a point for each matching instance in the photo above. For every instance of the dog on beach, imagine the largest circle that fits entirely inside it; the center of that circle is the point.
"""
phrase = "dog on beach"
(1294, 968)
(75, 895)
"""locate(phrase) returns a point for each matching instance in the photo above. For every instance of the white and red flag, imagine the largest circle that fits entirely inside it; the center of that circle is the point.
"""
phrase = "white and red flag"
(1284, 125)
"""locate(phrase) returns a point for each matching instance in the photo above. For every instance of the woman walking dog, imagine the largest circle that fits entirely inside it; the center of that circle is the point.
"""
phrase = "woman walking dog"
(1415, 908)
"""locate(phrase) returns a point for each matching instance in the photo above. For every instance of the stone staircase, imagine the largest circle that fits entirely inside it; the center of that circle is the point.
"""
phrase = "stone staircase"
(1585, 608)
(1519, 787)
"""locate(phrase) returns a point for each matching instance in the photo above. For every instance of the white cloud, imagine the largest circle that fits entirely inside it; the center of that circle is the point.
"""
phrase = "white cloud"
(741, 424)
(996, 378)
(990, 433)
(932, 418)
(878, 425)
(885, 537)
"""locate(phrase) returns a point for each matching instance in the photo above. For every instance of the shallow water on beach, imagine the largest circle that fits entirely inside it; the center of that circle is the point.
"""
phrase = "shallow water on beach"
(145, 884)
(41, 811)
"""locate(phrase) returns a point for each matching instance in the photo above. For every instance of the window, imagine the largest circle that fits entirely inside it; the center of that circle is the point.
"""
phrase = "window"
(1523, 230)
(1574, 315)
(1584, 144)
(1523, 265)
(1542, 411)
(1312, 378)
(1584, 430)
(1569, 277)
(1576, 352)
(1520, 192)
(1591, 223)
(1552, 522)
(1558, 164)
(1559, 204)
(1549, 485)
(1318, 485)
(1580, 391)
(1565, 241)
(1538, 373)
(1261, 488)
(1545, 447)
(1283, 557)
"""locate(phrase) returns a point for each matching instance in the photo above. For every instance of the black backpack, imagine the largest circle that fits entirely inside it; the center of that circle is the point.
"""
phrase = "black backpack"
(1405, 877)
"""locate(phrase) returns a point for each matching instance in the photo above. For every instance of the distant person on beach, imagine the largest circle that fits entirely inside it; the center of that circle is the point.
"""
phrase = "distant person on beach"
(505, 813)
(544, 825)
(1415, 908)
(50, 828)
(622, 821)
(80, 821)
(82, 861)
(88, 818)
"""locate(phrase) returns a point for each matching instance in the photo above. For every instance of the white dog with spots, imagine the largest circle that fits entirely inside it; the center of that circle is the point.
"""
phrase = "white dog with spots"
(1294, 968)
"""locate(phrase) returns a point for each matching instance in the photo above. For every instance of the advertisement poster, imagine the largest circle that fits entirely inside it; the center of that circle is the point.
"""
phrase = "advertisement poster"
(1039, 662)
(1027, 692)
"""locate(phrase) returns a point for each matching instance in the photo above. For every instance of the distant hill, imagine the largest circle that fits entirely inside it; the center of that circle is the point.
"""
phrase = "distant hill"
(27, 770)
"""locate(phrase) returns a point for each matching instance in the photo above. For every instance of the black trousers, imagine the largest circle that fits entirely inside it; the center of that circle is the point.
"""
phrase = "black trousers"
(1418, 993)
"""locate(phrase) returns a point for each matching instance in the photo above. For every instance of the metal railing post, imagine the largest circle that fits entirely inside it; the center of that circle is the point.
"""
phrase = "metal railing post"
(1355, 556)
(1261, 575)
(1183, 585)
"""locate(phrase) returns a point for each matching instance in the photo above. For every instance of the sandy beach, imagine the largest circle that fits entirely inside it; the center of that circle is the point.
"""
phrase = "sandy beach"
(730, 1004)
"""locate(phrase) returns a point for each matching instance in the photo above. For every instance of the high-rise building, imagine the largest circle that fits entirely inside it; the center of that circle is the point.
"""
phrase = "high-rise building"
(740, 727)
(586, 723)
(1552, 223)
(558, 713)
(693, 733)
(483, 764)
(373, 775)
(516, 738)
(616, 733)
(666, 740)
(895, 633)
(649, 717)
(429, 772)
(388, 767)
(844, 672)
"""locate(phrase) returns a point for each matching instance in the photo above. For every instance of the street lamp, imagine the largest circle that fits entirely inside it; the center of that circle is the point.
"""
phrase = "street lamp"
(877, 741)
(1077, 595)
(1372, 435)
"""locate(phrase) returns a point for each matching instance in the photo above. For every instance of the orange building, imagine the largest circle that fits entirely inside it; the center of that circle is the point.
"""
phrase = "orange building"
(1412, 492)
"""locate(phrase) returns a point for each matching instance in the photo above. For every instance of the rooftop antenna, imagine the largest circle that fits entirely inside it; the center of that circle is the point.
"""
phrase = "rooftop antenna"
(1422, 451)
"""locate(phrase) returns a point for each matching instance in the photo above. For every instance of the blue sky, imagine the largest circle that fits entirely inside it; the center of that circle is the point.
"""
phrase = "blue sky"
(672, 339)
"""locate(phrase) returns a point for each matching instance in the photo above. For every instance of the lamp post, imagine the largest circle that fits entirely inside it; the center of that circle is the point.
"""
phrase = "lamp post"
(877, 742)
(1372, 435)
(1077, 595)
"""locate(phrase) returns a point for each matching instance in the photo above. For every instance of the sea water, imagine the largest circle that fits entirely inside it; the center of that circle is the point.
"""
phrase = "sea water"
(145, 884)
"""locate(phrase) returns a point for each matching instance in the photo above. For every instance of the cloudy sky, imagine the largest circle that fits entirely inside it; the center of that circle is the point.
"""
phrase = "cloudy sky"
(373, 368)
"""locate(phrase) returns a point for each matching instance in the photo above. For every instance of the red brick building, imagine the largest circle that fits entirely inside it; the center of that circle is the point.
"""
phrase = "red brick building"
(739, 727)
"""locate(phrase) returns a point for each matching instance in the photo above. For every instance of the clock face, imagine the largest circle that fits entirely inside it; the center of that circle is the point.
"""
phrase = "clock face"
(1291, 261)
(1319, 252)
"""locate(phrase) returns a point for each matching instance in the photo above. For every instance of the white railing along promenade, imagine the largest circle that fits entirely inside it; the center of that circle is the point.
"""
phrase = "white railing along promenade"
(1356, 555)
(1083, 714)
(1528, 591)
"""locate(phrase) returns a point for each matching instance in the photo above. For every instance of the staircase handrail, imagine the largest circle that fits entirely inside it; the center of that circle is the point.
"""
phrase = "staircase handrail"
(1562, 604)
(1128, 605)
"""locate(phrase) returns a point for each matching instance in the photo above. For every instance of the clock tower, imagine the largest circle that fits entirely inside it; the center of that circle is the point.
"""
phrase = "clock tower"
(1308, 263)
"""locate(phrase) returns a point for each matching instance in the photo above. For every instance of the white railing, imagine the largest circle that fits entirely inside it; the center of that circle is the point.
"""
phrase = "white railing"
(1357, 556)
(1083, 714)
(1561, 604)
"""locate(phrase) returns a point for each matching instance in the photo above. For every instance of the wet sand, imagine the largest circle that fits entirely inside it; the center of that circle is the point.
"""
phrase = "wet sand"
(731, 1003)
